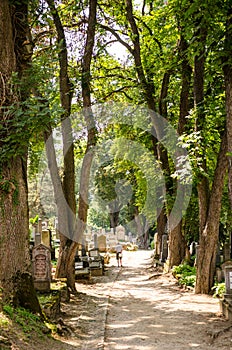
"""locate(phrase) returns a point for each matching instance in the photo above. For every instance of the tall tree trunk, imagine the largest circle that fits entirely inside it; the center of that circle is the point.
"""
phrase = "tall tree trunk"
(177, 243)
(199, 67)
(148, 91)
(186, 73)
(227, 68)
(206, 262)
(15, 271)
(68, 180)
(91, 142)
(209, 202)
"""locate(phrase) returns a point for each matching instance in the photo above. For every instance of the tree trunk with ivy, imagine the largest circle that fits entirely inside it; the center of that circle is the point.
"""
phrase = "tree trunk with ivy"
(227, 68)
(209, 199)
(15, 277)
(66, 211)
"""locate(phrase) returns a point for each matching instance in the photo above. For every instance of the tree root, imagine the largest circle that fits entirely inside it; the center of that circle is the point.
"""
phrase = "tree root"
(156, 275)
(215, 335)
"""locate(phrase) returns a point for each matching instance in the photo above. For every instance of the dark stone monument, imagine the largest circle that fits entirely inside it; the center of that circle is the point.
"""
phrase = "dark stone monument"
(41, 262)
(228, 280)
(164, 248)
(226, 251)
(226, 302)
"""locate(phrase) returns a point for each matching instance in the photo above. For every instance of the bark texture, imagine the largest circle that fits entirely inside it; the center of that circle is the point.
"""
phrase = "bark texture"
(91, 142)
(14, 221)
(67, 206)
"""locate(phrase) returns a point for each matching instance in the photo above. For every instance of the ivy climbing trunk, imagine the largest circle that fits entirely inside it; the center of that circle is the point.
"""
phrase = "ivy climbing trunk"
(227, 68)
(15, 277)
(209, 199)
(66, 211)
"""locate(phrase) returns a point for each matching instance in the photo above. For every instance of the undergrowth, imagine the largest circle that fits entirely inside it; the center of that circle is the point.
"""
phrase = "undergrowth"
(219, 289)
(27, 321)
(185, 274)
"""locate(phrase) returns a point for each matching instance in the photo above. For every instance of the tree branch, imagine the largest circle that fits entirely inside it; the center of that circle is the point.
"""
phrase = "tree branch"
(117, 36)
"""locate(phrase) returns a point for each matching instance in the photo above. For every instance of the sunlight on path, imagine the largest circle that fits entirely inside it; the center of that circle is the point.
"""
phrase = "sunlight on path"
(150, 314)
(127, 308)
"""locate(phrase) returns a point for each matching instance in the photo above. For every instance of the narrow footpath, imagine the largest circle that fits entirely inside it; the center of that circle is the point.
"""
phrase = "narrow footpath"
(132, 308)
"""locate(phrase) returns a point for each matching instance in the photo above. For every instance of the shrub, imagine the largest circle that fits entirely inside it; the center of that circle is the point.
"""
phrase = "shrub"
(185, 274)
(219, 289)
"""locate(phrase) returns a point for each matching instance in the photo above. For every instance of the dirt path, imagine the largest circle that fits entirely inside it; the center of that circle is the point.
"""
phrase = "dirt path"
(127, 309)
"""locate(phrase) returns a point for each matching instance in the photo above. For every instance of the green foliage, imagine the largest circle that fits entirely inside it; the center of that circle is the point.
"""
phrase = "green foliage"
(219, 290)
(26, 320)
(185, 274)
(34, 220)
(9, 187)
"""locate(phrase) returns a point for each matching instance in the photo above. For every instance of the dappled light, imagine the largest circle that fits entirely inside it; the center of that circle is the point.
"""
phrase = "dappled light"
(142, 313)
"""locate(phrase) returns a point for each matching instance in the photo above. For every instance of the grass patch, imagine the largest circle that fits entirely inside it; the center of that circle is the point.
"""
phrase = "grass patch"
(27, 321)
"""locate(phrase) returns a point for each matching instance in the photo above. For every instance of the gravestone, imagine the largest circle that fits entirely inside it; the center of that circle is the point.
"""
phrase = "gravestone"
(112, 241)
(33, 232)
(164, 249)
(218, 256)
(38, 233)
(192, 248)
(41, 263)
(120, 233)
(46, 238)
(156, 245)
(101, 243)
(95, 241)
(228, 281)
(226, 251)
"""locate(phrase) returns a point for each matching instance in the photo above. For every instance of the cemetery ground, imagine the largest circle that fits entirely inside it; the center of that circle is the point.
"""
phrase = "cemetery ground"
(134, 307)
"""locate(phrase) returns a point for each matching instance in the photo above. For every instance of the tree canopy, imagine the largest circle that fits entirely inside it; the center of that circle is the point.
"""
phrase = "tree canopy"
(141, 92)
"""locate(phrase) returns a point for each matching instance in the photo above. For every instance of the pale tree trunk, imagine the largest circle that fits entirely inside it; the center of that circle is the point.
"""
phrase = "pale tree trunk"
(15, 271)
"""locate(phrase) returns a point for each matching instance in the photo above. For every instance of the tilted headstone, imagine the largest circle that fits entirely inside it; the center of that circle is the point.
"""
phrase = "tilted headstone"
(41, 263)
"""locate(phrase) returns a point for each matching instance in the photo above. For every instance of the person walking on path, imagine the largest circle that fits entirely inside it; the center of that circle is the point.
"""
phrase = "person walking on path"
(118, 249)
